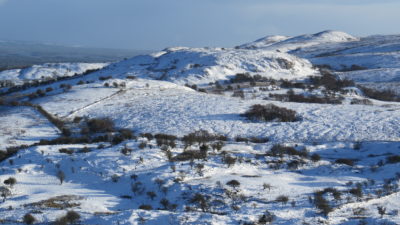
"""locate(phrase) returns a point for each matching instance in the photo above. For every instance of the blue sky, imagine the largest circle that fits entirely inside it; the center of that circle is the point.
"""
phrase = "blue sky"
(155, 24)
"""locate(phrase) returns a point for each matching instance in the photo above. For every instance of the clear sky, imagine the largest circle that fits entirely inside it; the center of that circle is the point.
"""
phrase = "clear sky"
(155, 24)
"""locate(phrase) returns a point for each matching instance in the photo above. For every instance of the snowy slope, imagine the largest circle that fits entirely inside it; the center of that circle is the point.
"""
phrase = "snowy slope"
(357, 143)
(23, 126)
(286, 44)
(167, 108)
(203, 65)
(48, 70)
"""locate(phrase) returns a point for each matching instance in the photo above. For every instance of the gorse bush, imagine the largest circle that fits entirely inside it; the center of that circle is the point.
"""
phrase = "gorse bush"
(29, 219)
(270, 112)
(100, 125)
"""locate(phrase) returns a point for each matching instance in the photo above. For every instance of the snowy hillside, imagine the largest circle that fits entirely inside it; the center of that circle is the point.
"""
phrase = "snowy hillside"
(204, 65)
(286, 44)
(283, 130)
(48, 70)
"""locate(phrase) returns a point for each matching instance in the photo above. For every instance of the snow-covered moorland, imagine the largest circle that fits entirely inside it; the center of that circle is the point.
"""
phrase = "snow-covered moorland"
(283, 130)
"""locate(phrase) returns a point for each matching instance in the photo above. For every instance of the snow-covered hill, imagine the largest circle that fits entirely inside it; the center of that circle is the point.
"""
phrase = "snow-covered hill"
(48, 70)
(155, 139)
(204, 65)
(286, 44)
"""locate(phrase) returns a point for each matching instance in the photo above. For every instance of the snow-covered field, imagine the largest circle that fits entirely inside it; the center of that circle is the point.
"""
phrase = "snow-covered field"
(23, 126)
(48, 70)
(338, 163)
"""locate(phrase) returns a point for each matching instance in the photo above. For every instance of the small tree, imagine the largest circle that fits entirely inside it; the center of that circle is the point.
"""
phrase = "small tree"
(29, 219)
(151, 194)
(164, 202)
(282, 198)
(10, 181)
(381, 211)
(233, 183)
(5, 192)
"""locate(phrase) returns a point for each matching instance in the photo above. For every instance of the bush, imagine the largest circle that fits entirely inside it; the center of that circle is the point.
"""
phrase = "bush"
(100, 125)
(363, 101)
(322, 204)
(10, 181)
(270, 112)
(70, 218)
(330, 82)
(315, 157)
(280, 150)
(348, 162)
(267, 217)
(66, 151)
(146, 207)
(201, 137)
(384, 95)
(393, 159)
(233, 183)
(189, 155)
(29, 219)
(282, 198)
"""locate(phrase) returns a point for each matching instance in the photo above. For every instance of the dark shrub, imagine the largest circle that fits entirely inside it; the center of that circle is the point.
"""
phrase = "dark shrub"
(48, 89)
(130, 77)
(363, 101)
(146, 207)
(10, 181)
(315, 157)
(280, 150)
(393, 159)
(100, 125)
(29, 219)
(189, 155)
(66, 151)
(259, 140)
(357, 191)
(266, 218)
(229, 160)
(105, 77)
(201, 201)
(322, 204)
(384, 95)
(348, 162)
(233, 183)
(282, 198)
(70, 218)
(331, 82)
(270, 112)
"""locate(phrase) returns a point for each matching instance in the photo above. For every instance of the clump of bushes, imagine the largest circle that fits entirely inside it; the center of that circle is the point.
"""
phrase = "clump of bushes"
(290, 96)
(66, 151)
(29, 219)
(383, 95)
(100, 125)
(70, 218)
(331, 82)
(280, 150)
(393, 159)
(270, 112)
(364, 101)
(146, 207)
(348, 162)
(10, 181)
(201, 137)
(321, 203)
